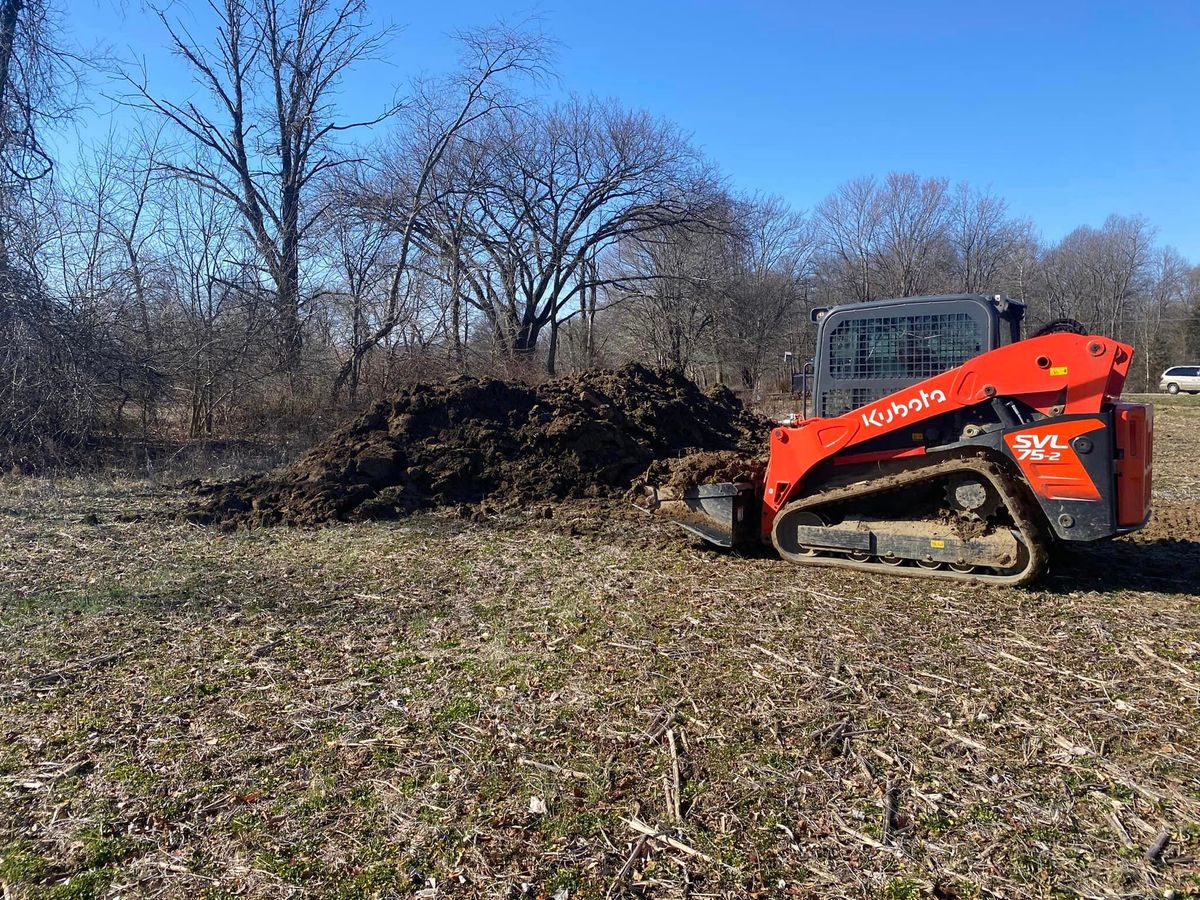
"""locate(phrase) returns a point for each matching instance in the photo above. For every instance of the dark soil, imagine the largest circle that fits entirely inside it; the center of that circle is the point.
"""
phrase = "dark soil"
(485, 441)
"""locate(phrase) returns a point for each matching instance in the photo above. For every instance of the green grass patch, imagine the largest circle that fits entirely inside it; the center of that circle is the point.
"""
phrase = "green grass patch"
(89, 885)
(457, 710)
(21, 864)
(903, 889)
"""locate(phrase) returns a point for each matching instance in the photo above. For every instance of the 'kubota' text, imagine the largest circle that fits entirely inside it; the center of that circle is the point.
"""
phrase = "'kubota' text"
(900, 409)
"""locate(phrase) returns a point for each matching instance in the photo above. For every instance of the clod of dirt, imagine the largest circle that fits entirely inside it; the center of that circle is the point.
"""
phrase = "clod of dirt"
(467, 441)
(705, 467)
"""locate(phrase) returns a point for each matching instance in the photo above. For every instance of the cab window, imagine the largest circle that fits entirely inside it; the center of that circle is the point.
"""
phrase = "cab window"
(911, 347)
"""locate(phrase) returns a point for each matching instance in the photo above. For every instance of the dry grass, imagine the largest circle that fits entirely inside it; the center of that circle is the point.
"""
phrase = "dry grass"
(450, 709)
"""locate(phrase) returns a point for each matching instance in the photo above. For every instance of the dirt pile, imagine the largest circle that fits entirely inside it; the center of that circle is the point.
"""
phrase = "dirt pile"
(470, 441)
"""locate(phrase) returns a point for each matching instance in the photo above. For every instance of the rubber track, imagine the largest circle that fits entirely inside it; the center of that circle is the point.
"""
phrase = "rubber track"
(1011, 490)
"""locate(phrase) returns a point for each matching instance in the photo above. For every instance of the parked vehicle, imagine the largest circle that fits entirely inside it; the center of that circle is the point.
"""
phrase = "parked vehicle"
(1180, 378)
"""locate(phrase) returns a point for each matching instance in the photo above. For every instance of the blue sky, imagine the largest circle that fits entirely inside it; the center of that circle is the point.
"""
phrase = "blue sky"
(1069, 110)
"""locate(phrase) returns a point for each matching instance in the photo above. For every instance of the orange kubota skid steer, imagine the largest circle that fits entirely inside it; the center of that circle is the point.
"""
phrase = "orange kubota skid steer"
(943, 446)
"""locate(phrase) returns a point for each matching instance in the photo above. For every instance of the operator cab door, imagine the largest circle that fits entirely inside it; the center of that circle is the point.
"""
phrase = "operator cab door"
(869, 350)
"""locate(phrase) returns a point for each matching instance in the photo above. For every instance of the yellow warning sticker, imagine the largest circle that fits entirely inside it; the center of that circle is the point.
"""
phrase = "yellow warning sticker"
(1058, 370)
(937, 543)
(918, 435)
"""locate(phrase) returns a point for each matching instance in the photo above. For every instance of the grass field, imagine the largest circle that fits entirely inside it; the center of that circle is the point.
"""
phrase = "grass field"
(508, 708)
(1167, 401)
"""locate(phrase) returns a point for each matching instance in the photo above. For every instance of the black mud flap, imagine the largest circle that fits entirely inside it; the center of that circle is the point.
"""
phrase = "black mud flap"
(725, 515)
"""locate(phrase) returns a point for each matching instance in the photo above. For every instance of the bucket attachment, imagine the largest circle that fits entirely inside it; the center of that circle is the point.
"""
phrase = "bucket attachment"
(726, 515)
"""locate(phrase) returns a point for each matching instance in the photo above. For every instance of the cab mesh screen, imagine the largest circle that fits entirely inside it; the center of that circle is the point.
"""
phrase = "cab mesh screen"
(871, 357)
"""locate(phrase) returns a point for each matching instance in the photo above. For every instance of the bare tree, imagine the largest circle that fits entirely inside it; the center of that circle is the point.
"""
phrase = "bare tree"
(773, 247)
(1163, 303)
(851, 222)
(211, 318)
(1095, 275)
(39, 83)
(270, 129)
(912, 248)
(556, 190)
(985, 240)
(406, 192)
(358, 247)
(669, 282)
(1191, 329)
(46, 374)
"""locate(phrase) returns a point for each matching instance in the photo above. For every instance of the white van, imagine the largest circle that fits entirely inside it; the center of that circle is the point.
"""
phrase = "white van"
(1181, 378)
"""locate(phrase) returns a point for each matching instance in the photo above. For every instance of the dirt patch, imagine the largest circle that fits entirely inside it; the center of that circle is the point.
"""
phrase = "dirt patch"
(485, 441)
(1171, 521)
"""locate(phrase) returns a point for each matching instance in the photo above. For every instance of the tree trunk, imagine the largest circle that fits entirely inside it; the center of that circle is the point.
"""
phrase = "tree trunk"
(552, 355)
(456, 344)
(525, 341)
(587, 302)
(716, 344)
(287, 278)
(356, 360)
(9, 10)
(287, 300)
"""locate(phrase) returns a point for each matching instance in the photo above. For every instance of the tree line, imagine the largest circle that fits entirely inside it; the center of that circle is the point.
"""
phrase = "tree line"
(247, 260)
